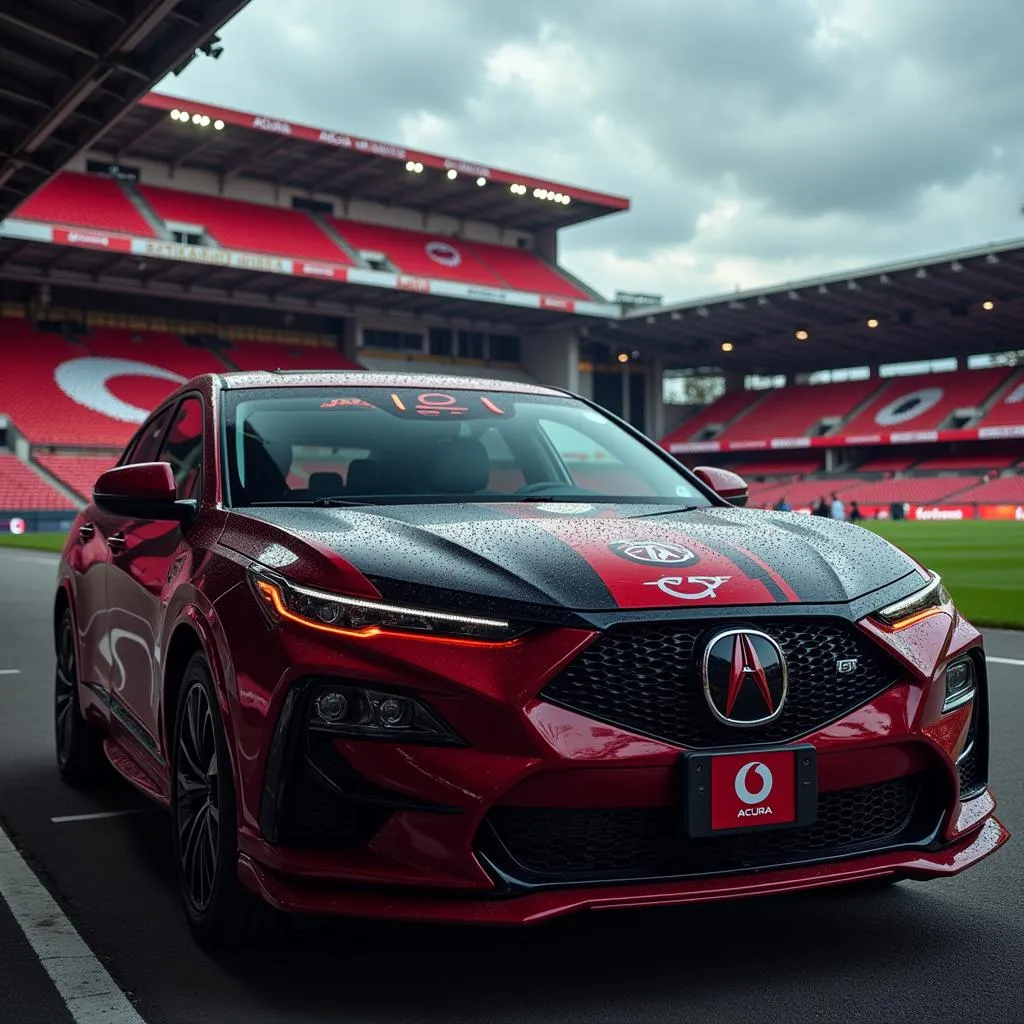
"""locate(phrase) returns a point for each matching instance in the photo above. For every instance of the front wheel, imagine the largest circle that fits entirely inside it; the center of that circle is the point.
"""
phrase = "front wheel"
(205, 824)
(80, 757)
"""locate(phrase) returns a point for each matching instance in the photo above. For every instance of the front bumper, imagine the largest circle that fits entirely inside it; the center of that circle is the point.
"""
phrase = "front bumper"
(533, 908)
(546, 810)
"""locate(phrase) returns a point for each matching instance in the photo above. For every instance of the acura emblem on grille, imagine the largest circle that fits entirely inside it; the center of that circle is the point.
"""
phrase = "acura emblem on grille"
(745, 677)
(846, 665)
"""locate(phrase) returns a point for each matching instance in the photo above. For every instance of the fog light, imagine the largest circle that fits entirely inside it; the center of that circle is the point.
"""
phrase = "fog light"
(394, 713)
(960, 684)
(331, 707)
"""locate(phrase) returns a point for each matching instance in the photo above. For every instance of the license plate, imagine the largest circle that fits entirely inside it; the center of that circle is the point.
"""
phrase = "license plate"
(739, 790)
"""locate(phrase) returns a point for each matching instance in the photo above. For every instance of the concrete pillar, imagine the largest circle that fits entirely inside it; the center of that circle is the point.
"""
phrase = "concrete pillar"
(553, 358)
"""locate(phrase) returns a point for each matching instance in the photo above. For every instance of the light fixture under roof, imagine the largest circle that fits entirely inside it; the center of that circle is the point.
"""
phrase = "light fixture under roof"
(988, 304)
(801, 335)
(727, 346)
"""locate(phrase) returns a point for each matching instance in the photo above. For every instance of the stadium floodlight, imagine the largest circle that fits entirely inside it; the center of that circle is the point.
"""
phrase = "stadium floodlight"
(175, 114)
(452, 174)
(988, 304)
(802, 335)
(197, 118)
(218, 125)
(519, 190)
(566, 200)
(727, 346)
(872, 323)
(481, 182)
(205, 120)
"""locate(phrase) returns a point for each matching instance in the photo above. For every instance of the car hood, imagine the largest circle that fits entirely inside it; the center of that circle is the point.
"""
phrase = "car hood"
(601, 557)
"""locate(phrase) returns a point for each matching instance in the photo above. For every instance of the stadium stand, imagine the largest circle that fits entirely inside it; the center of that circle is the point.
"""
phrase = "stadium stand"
(523, 270)
(1003, 490)
(796, 411)
(887, 464)
(42, 410)
(801, 493)
(926, 402)
(782, 466)
(911, 490)
(982, 461)
(77, 472)
(87, 201)
(22, 488)
(250, 227)
(410, 252)
(721, 411)
(1008, 410)
(258, 355)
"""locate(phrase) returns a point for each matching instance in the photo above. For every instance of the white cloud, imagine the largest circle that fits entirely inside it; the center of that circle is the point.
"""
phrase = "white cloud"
(760, 141)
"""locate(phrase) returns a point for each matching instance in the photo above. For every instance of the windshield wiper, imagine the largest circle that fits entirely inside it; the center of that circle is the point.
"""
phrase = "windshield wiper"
(668, 511)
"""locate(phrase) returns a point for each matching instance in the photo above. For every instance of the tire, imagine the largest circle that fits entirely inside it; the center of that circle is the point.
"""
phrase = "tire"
(79, 744)
(204, 824)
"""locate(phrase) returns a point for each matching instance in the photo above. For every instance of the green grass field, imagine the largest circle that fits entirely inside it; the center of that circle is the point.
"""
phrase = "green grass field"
(982, 563)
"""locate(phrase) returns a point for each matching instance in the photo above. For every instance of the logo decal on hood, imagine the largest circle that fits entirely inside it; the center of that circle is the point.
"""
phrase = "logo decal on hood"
(653, 552)
(707, 586)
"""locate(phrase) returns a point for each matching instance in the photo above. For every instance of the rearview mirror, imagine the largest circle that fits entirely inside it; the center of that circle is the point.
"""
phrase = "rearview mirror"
(724, 483)
(145, 490)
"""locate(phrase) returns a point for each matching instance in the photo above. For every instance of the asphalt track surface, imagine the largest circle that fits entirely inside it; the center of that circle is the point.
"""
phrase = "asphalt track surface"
(944, 951)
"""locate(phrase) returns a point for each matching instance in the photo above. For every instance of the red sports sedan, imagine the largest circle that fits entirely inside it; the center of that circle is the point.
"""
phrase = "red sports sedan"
(453, 649)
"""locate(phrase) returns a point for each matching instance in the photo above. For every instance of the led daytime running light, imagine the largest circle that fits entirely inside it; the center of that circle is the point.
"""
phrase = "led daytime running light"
(358, 617)
(930, 600)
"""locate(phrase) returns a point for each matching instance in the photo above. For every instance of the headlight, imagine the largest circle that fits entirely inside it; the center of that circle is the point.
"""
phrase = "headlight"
(356, 617)
(928, 601)
(960, 684)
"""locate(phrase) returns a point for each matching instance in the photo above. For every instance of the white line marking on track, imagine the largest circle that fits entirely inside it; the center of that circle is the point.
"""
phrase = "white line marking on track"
(1005, 661)
(64, 819)
(10, 671)
(89, 992)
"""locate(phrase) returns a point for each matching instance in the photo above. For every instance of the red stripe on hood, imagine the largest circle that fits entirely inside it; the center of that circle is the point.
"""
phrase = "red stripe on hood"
(709, 579)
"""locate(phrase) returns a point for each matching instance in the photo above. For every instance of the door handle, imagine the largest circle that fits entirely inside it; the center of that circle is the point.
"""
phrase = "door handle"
(117, 542)
(87, 531)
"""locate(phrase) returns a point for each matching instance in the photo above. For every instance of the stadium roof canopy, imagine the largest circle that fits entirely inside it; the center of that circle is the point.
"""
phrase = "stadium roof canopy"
(70, 68)
(231, 143)
(955, 304)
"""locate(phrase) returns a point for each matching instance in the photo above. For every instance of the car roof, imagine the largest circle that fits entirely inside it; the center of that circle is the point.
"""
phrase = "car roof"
(365, 378)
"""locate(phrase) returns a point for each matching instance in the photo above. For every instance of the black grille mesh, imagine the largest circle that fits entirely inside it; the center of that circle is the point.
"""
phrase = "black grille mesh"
(970, 767)
(645, 678)
(649, 841)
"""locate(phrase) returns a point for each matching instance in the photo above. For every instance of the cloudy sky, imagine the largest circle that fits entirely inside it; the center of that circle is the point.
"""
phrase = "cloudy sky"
(760, 140)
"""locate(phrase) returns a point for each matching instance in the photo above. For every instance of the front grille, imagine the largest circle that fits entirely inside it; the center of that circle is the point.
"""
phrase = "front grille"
(556, 844)
(645, 678)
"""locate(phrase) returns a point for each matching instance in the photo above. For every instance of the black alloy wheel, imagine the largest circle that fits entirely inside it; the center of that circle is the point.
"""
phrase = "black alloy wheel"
(220, 911)
(79, 744)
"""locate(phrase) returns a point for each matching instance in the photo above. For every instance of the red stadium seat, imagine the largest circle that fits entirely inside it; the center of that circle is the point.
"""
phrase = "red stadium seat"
(523, 270)
(91, 394)
(925, 402)
(249, 227)
(802, 493)
(723, 409)
(913, 490)
(88, 201)
(78, 472)
(794, 411)
(258, 355)
(1004, 490)
(418, 253)
(22, 488)
(1009, 410)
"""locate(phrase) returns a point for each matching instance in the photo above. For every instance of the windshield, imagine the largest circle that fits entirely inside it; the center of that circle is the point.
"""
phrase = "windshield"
(385, 445)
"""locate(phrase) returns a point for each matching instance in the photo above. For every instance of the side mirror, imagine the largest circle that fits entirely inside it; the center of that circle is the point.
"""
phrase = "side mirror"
(724, 483)
(145, 490)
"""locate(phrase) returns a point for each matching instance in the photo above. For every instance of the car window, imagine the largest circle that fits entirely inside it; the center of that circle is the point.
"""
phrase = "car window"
(401, 444)
(146, 445)
(183, 448)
